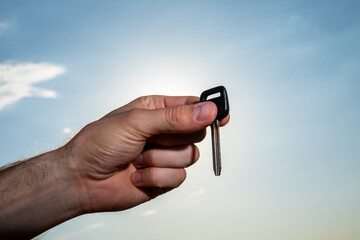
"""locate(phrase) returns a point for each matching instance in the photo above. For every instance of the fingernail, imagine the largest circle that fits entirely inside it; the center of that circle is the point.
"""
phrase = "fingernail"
(138, 161)
(136, 178)
(203, 111)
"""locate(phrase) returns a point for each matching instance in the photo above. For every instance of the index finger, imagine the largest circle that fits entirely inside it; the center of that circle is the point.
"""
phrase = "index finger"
(155, 102)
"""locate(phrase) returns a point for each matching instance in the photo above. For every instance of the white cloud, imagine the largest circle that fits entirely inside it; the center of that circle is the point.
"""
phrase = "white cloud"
(66, 130)
(95, 225)
(16, 81)
(150, 212)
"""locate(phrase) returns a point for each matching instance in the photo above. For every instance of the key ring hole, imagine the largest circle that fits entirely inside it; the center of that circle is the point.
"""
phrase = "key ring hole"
(214, 95)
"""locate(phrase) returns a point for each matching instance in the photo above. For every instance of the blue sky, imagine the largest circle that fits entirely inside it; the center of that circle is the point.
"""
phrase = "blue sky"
(291, 156)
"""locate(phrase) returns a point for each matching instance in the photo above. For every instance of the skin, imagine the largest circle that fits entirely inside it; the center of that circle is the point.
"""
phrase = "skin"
(131, 155)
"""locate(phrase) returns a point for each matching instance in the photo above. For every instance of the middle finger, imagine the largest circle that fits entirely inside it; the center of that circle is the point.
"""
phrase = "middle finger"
(174, 157)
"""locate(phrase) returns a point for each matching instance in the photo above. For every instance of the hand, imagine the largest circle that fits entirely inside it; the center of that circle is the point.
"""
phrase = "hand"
(138, 151)
(129, 156)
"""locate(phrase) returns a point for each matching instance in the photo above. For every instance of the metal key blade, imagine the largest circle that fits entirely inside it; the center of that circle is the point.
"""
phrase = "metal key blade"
(215, 139)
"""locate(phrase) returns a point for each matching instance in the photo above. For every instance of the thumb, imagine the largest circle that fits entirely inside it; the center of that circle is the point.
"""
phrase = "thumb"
(176, 119)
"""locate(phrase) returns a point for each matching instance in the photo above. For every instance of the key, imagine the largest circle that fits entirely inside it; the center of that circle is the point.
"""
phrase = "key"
(217, 95)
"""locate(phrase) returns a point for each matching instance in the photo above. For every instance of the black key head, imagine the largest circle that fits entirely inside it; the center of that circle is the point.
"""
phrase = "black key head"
(220, 99)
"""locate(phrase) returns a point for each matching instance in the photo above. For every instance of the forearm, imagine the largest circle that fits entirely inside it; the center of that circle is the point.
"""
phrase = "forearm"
(38, 194)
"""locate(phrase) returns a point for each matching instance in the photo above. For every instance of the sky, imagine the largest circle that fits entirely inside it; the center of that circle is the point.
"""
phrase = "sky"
(291, 155)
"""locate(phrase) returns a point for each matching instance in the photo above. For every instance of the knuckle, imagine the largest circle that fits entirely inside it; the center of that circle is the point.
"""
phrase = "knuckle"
(150, 157)
(149, 101)
(153, 177)
(173, 117)
(144, 100)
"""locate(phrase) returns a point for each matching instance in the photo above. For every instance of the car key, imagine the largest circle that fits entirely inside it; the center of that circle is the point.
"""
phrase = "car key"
(217, 95)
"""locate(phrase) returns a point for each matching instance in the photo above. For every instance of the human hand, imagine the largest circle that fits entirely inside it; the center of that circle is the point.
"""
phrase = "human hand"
(129, 156)
(138, 151)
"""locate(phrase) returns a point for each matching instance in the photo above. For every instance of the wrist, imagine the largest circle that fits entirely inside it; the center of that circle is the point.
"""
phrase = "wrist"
(60, 187)
(75, 194)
